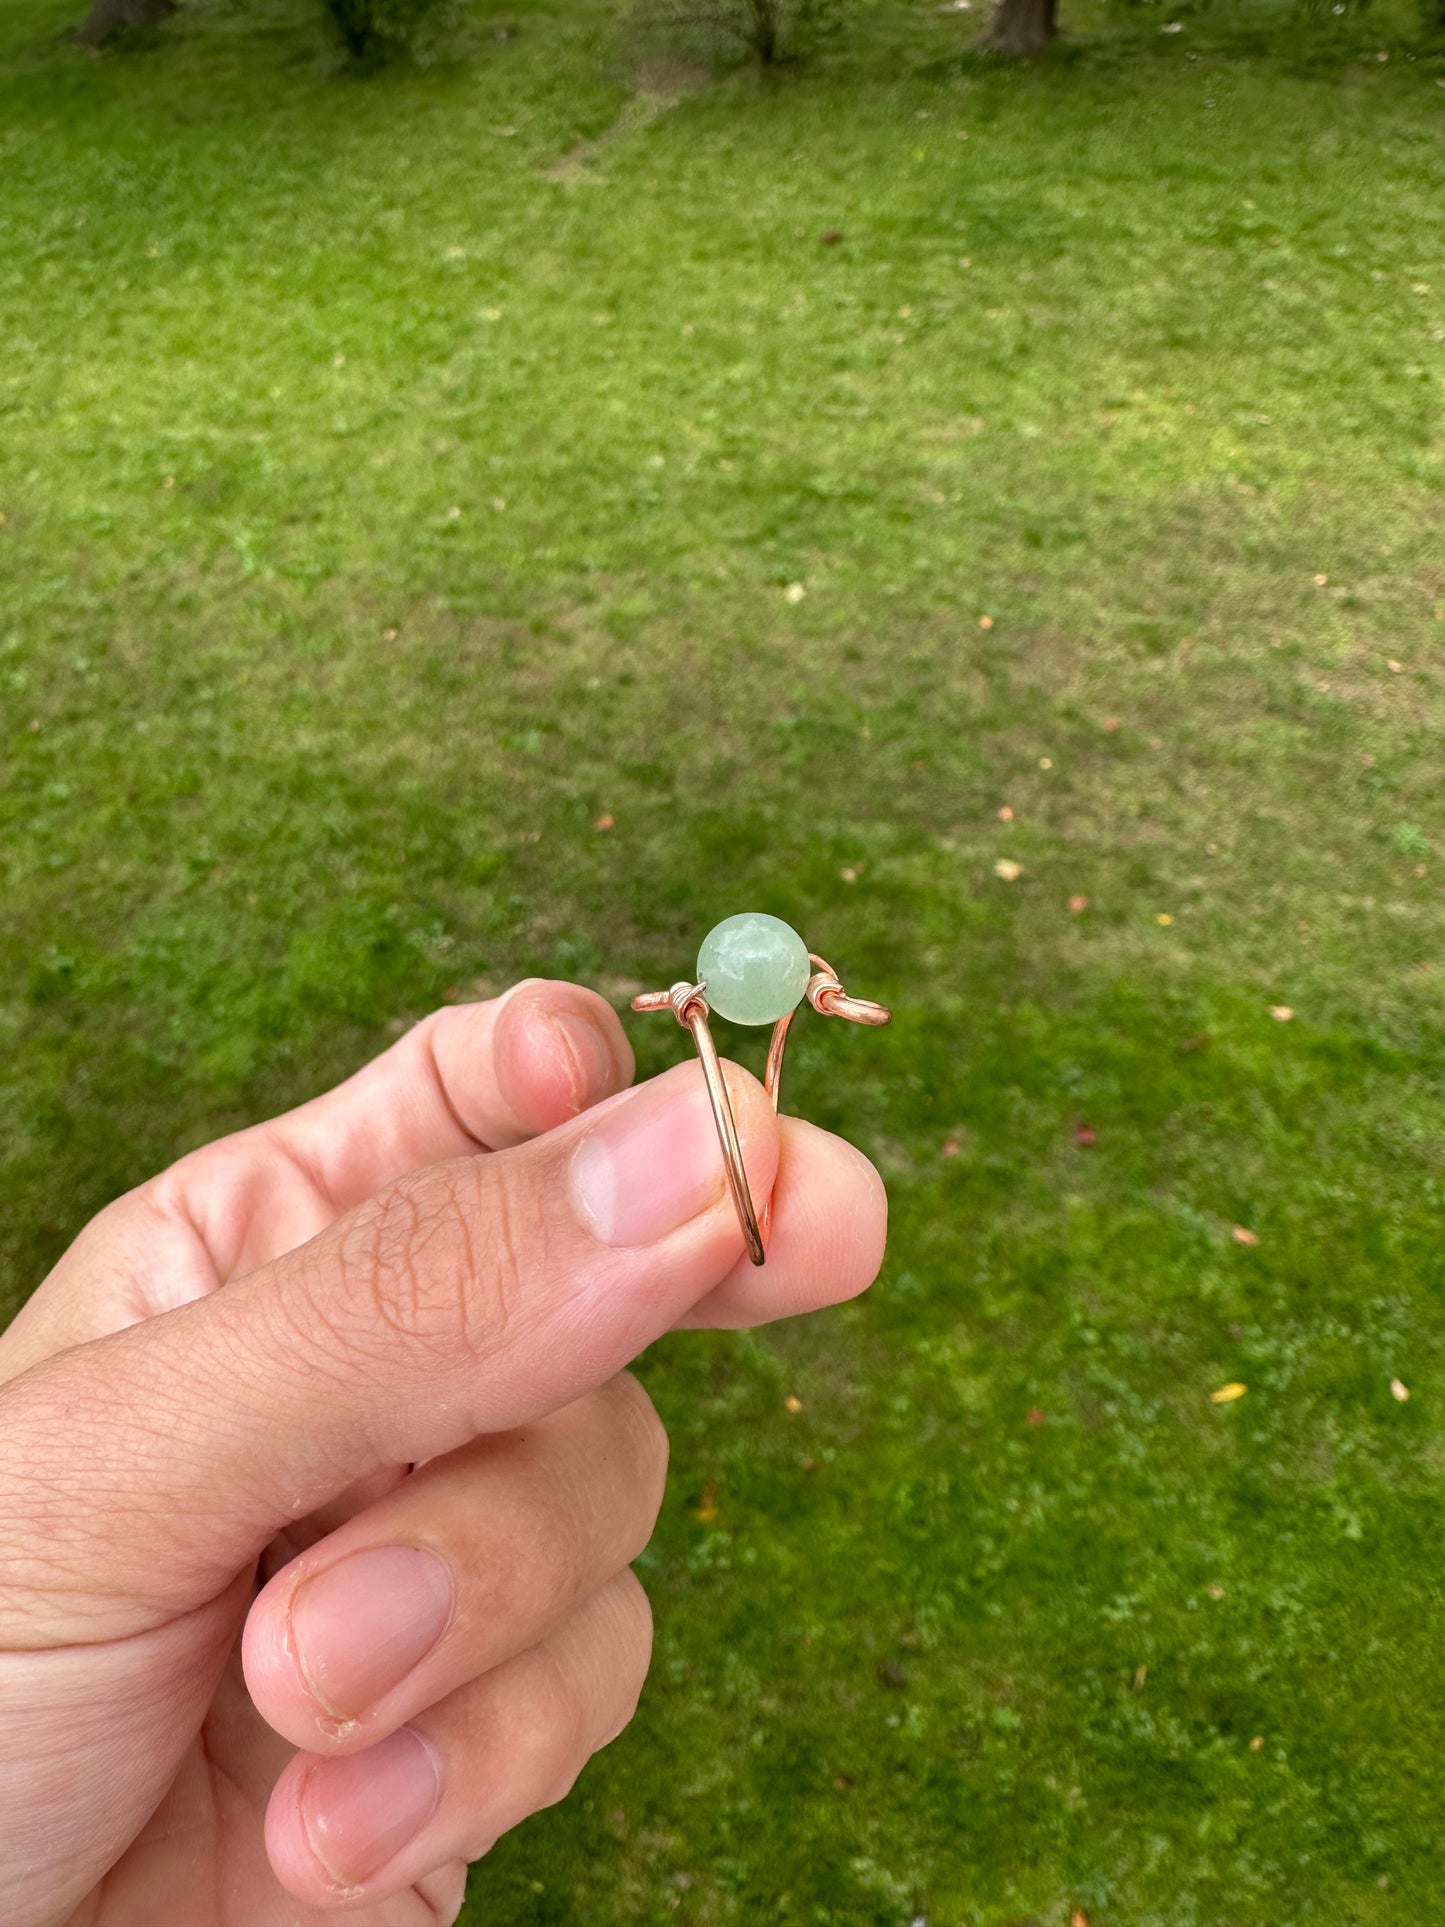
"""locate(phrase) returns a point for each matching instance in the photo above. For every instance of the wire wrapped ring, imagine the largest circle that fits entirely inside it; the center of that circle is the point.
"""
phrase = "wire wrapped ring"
(689, 1005)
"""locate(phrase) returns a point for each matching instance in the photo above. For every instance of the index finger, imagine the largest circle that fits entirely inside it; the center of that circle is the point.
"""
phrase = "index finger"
(469, 1077)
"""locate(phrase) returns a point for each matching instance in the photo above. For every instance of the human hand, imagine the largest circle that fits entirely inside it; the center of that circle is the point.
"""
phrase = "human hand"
(445, 1263)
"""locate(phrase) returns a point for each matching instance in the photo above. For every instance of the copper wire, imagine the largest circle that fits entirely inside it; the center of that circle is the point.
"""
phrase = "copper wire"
(688, 1004)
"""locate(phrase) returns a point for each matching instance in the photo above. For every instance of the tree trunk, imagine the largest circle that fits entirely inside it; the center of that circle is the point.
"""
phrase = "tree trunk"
(109, 16)
(764, 16)
(1022, 26)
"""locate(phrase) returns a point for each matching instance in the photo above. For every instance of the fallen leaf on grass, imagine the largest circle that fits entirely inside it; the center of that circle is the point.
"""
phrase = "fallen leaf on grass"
(1399, 1390)
(707, 1504)
(1008, 869)
(1077, 905)
(1281, 1013)
(1163, 917)
(1140, 1676)
(1216, 1592)
(794, 592)
(1227, 1394)
(604, 822)
(1393, 666)
(1078, 1918)
(985, 622)
(950, 1148)
(832, 237)
(1005, 814)
(1242, 1235)
(1256, 1745)
(793, 1403)
(1036, 1416)
(1084, 1135)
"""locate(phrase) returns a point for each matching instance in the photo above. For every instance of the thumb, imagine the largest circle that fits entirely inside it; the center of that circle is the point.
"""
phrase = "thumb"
(144, 1470)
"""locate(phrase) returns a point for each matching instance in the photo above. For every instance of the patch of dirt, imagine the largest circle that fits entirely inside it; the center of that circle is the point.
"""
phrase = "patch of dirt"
(658, 85)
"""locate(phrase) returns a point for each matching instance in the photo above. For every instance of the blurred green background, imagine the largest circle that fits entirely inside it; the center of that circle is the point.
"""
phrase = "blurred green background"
(401, 474)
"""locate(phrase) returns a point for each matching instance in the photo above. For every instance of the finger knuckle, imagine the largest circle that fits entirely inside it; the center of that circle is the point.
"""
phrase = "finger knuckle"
(386, 1261)
(436, 1259)
(646, 1431)
(646, 1449)
(561, 1743)
(506, 1237)
(584, 1688)
(556, 1553)
(626, 1646)
(634, 1636)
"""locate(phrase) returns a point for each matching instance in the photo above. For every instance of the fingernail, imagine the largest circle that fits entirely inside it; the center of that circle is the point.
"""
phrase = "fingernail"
(587, 1056)
(360, 1810)
(359, 1627)
(650, 1162)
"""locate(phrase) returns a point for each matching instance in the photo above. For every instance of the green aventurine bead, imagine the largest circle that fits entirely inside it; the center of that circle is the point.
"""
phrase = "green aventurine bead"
(755, 967)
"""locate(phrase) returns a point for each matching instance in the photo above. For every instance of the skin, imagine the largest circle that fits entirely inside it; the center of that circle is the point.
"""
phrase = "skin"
(389, 1328)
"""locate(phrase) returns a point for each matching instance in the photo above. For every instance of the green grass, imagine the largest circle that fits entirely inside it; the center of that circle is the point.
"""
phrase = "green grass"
(266, 329)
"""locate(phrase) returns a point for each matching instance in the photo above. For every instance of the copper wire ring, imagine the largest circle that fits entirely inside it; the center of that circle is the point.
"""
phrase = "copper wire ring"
(688, 1004)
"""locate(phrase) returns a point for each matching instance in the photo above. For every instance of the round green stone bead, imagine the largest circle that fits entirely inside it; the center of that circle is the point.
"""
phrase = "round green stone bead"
(755, 967)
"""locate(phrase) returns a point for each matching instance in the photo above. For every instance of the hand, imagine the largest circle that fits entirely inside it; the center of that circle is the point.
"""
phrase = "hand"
(444, 1264)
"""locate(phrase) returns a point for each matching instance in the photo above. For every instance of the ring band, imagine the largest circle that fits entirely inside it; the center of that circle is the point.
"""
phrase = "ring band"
(689, 1005)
